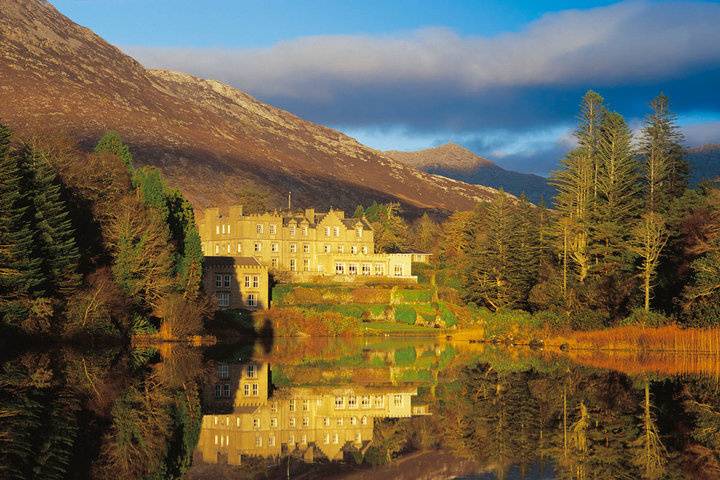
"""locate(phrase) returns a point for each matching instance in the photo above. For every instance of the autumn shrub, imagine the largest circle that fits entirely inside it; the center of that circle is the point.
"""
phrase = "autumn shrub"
(405, 314)
(303, 295)
(290, 321)
(449, 295)
(367, 294)
(649, 319)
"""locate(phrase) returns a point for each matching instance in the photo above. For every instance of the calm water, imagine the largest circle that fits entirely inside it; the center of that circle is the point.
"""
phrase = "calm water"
(378, 408)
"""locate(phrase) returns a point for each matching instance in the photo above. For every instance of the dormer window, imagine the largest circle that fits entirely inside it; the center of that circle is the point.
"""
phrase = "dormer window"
(337, 231)
(358, 231)
(305, 231)
(259, 228)
(327, 231)
(293, 230)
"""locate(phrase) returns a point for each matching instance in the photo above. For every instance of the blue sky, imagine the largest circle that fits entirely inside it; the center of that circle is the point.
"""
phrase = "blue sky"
(503, 78)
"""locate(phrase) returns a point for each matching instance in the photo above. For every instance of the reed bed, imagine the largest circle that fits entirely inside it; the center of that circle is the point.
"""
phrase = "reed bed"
(637, 338)
(643, 362)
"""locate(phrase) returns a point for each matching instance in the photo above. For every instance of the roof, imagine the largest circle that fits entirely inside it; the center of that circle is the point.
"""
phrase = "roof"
(230, 261)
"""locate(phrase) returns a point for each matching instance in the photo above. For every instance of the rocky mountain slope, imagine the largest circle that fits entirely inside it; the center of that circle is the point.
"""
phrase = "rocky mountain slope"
(704, 162)
(212, 141)
(457, 162)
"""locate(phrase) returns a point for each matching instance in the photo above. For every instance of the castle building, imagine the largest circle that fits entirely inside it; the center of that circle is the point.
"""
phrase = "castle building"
(243, 420)
(305, 243)
(236, 282)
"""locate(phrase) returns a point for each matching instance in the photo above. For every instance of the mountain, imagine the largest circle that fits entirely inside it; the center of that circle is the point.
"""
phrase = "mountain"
(217, 144)
(704, 162)
(457, 162)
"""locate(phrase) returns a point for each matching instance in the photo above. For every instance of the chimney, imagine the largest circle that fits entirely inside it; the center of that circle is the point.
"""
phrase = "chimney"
(236, 211)
(310, 214)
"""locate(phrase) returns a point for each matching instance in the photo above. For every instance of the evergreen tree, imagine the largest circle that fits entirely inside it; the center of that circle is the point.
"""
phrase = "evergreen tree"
(666, 170)
(20, 273)
(648, 240)
(527, 250)
(111, 142)
(425, 233)
(617, 203)
(55, 235)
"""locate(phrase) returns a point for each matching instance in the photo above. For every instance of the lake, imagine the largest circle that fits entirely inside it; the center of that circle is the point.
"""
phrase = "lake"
(378, 407)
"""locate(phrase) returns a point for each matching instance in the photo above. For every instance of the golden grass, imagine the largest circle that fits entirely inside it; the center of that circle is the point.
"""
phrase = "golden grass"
(635, 338)
(643, 362)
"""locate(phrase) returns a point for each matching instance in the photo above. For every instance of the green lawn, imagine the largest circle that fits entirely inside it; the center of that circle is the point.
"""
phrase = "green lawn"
(386, 327)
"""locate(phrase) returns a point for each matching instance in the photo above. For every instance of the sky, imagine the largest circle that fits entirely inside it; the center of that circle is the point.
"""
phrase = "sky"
(502, 78)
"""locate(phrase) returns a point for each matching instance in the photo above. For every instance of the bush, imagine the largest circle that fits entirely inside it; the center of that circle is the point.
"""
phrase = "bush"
(371, 295)
(289, 322)
(649, 319)
(447, 316)
(405, 314)
(553, 321)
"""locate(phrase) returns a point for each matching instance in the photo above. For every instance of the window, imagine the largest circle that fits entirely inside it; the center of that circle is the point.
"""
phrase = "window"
(365, 250)
(363, 420)
(305, 231)
(339, 403)
(258, 247)
(237, 422)
(273, 407)
(217, 229)
(293, 230)
(341, 248)
(239, 247)
(251, 300)
(306, 248)
(353, 249)
(293, 248)
(246, 389)
(366, 269)
(304, 439)
(273, 422)
(398, 270)
(251, 371)
(217, 249)
(223, 370)
(218, 281)
(326, 248)
(306, 422)
(229, 249)
(255, 389)
(306, 405)
(247, 281)
(327, 439)
(340, 421)
(271, 441)
(226, 390)
(223, 228)
(379, 401)
(353, 420)
(274, 262)
(274, 247)
(352, 402)
(379, 269)
(223, 299)
(228, 228)
(365, 402)
(326, 422)
(256, 423)
(352, 269)
(327, 231)
(259, 228)
(336, 438)
(273, 229)
(339, 269)
(336, 231)
(226, 284)
(293, 265)
(258, 441)
(293, 422)
(358, 232)
(218, 390)
(291, 439)
(256, 281)
(293, 405)
(398, 400)
(306, 264)
(358, 437)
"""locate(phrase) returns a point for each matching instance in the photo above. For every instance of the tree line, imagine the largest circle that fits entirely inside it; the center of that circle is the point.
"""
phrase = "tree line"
(90, 244)
(624, 240)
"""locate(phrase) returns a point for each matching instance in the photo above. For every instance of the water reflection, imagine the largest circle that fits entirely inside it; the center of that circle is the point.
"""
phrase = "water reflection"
(381, 408)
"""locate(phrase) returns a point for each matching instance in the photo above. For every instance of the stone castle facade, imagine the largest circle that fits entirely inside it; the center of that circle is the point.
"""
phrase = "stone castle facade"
(306, 243)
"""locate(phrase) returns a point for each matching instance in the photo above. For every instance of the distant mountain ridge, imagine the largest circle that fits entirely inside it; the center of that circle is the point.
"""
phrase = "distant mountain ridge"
(457, 162)
(704, 162)
(212, 141)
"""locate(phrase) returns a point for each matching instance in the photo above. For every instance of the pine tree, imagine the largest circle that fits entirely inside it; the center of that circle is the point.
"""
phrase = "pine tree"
(56, 242)
(617, 204)
(527, 249)
(111, 142)
(20, 273)
(648, 240)
(666, 170)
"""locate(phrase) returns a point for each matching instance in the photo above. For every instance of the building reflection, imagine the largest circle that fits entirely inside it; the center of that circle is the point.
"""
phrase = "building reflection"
(245, 416)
